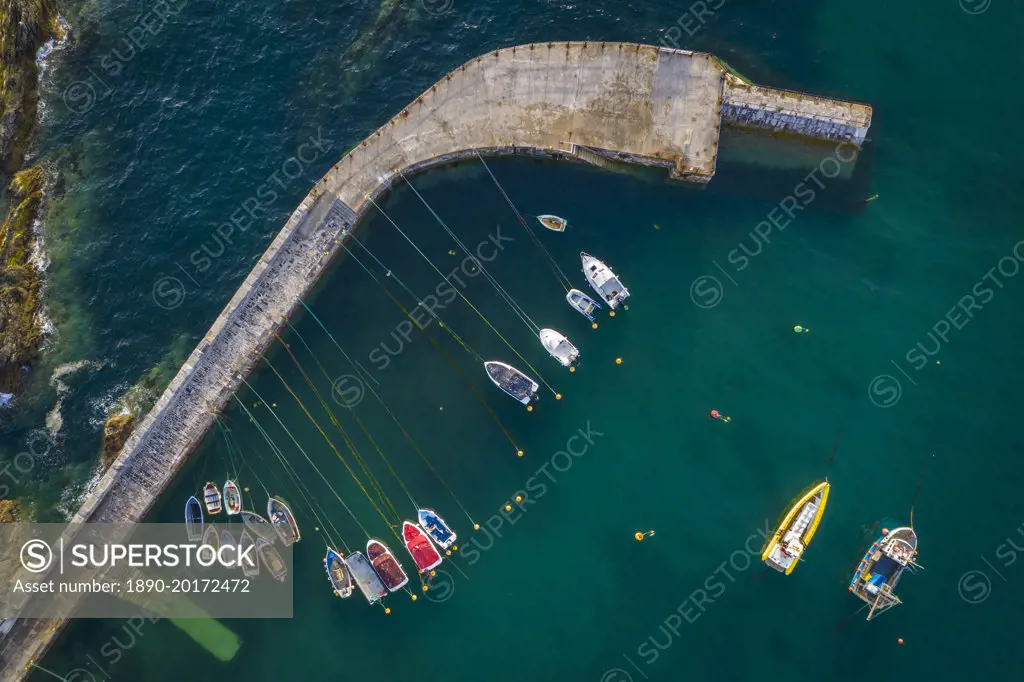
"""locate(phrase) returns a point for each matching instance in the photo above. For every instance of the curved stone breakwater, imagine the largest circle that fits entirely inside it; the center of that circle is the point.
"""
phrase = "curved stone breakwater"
(584, 102)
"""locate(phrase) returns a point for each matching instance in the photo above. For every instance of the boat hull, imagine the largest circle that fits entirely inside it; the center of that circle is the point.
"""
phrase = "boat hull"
(582, 303)
(553, 222)
(604, 281)
(512, 381)
(806, 511)
(386, 566)
(283, 521)
(422, 551)
(365, 578)
(437, 528)
(232, 498)
(211, 496)
(194, 519)
(338, 573)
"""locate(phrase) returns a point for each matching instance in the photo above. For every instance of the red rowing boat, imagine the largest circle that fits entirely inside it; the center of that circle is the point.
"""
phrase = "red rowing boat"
(420, 547)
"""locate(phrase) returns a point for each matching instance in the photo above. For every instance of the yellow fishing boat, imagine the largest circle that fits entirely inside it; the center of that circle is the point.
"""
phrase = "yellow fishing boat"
(796, 529)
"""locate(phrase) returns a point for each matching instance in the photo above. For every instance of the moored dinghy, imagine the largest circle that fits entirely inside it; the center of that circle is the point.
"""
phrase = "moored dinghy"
(211, 495)
(211, 538)
(338, 573)
(283, 521)
(799, 523)
(228, 540)
(259, 526)
(386, 566)
(602, 280)
(250, 559)
(512, 381)
(436, 528)
(271, 559)
(423, 553)
(559, 347)
(583, 303)
(553, 222)
(232, 498)
(366, 579)
(194, 519)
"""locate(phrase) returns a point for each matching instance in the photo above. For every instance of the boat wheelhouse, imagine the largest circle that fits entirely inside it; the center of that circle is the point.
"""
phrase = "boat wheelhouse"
(605, 282)
(874, 582)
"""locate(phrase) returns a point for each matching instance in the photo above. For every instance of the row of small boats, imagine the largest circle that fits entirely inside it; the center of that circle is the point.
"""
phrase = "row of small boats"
(603, 281)
(874, 580)
(378, 572)
(257, 531)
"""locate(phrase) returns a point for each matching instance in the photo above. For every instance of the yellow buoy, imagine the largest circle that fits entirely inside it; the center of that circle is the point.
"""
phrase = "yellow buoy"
(455, 548)
(594, 326)
(508, 507)
(387, 609)
(611, 313)
(441, 408)
(639, 536)
(425, 588)
(529, 408)
(519, 453)
(433, 574)
(476, 526)
(447, 552)
(414, 597)
(519, 498)
(572, 369)
(618, 361)
(558, 396)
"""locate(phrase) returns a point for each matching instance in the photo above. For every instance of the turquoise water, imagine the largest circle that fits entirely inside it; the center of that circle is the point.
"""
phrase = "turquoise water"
(224, 94)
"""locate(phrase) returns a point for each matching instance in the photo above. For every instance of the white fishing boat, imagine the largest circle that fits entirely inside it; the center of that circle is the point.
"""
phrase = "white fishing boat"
(232, 498)
(211, 538)
(559, 347)
(259, 526)
(605, 282)
(583, 303)
(553, 222)
(283, 521)
(512, 381)
(271, 559)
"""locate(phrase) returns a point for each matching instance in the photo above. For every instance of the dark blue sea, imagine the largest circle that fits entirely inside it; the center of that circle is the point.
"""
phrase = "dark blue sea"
(909, 370)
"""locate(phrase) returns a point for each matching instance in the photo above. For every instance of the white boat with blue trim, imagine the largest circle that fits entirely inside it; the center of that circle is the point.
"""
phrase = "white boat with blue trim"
(583, 303)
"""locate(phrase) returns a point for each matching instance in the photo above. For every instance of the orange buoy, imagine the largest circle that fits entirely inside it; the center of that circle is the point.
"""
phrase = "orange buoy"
(899, 641)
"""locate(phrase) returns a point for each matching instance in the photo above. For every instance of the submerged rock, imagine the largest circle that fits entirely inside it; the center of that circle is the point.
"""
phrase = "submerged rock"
(115, 433)
(8, 511)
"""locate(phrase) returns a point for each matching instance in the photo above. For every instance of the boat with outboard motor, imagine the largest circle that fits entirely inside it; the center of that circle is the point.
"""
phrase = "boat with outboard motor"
(283, 521)
(794, 532)
(386, 565)
(423, 553)
(338, 573)
(553, 222)
(559, 347)
(605, 282)
(512, 381)
(438, 530)
(232, 498)
(582, 303)
(366, 579)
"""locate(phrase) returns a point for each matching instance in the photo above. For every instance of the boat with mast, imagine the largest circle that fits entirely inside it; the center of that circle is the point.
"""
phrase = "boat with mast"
(512, 381)
(874, 582)
(386, 566)
(553, 222)
(559, 347)
(232, 498)
(250, 559)
(423, 553)
(338, 573)
(796, 529)
(366, 579)
(194, 519)
(438, 530)
(605, 282)
(211, 495)
(582, 303)
(283, 521)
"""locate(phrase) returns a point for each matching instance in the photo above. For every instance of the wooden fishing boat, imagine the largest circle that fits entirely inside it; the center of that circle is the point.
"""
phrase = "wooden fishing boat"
(366, 578)
(260, 527)
(283, 521)
(602, 280)
(874, 581)
(232, 498)
(439, 531)
(786, 546)
(422, 551)
(512, 381)
(194, 519)
(211, 495)
(250, 560)
(270, 558)
(553, 222)
(386, 566)
(559, 347)
(338, 573)
(583, 303)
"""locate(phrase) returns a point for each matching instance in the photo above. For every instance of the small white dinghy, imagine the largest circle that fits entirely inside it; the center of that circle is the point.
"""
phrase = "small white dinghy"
(553, 222)
(559, 347)
(583, 303)
(605, 282)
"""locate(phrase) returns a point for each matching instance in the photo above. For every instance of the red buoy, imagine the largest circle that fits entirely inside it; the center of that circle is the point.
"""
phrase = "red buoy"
(899, 641)
(715, 414)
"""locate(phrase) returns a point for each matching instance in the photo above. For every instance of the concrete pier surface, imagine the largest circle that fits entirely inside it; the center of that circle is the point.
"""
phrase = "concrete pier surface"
(596, 103)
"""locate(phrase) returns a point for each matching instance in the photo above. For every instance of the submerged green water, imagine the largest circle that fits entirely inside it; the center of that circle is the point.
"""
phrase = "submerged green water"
(559, 588)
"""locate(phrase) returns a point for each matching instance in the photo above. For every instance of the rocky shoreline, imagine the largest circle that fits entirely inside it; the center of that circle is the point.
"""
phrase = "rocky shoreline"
(25, 26)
